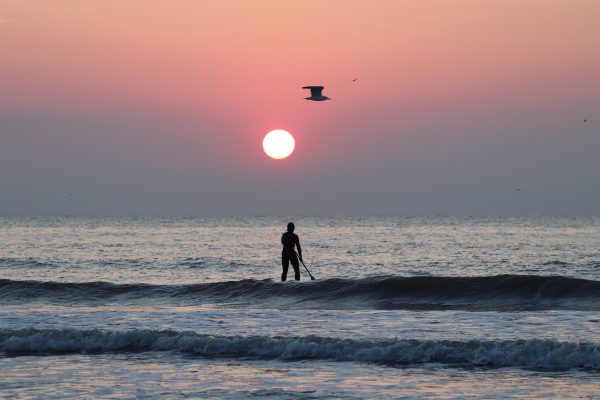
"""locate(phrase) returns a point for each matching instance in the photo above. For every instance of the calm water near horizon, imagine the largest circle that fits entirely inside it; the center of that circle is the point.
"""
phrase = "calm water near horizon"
(402, 307)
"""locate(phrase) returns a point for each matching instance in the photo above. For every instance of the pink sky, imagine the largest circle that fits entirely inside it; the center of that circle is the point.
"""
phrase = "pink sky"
(176, 96)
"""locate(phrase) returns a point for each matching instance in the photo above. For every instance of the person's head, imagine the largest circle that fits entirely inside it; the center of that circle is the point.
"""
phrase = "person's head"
(291, 227)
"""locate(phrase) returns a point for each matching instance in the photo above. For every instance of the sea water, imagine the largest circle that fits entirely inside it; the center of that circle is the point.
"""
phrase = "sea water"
(402, 307)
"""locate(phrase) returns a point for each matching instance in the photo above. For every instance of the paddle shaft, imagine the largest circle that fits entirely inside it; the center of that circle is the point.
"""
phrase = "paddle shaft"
(312, 278)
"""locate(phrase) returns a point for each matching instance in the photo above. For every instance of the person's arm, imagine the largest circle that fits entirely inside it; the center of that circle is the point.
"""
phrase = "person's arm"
(299, 248)
(282, 238)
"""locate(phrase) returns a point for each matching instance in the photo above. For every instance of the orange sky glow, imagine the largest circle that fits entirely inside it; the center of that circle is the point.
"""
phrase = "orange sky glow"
(230, 71)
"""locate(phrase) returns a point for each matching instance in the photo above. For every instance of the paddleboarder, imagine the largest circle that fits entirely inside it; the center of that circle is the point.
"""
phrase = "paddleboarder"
(289, 240)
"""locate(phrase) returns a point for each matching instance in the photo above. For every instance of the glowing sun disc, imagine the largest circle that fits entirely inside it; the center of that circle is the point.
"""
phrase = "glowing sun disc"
(278, 144)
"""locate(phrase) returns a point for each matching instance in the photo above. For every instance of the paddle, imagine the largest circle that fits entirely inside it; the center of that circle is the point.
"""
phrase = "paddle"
(312, 278)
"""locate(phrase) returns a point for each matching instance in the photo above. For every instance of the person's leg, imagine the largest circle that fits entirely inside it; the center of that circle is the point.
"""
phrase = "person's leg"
(285, 263)
(296, 266)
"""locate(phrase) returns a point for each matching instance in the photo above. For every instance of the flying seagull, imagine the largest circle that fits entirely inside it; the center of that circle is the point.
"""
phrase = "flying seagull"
(316, 93)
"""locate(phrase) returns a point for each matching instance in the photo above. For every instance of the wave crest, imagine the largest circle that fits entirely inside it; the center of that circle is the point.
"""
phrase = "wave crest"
(535, 353)
(499, 293)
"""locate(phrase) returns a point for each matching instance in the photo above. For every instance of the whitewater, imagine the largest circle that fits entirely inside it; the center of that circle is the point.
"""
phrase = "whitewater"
(402, 307)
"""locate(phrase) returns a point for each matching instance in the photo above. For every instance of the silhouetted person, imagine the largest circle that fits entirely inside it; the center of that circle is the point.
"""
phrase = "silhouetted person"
(289, 239)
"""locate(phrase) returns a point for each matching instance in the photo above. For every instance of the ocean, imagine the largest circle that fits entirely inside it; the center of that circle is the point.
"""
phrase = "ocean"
(401, 307)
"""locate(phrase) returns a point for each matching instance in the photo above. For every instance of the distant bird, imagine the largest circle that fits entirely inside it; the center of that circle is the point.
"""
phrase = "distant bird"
(518, 189)
(585, 120)
(354, 80)
(315, 93)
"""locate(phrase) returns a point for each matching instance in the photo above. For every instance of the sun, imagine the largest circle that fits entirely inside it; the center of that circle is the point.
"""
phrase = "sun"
(278, 144)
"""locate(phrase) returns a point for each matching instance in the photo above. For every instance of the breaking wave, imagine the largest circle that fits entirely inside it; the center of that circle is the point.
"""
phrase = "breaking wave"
(498, 293)
(535, 353)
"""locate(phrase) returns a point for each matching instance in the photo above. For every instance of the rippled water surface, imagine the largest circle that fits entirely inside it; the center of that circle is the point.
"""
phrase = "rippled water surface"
(402, 307)
(217, 249)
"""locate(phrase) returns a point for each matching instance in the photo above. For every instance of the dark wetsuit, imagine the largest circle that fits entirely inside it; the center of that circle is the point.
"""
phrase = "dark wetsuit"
(289, 240)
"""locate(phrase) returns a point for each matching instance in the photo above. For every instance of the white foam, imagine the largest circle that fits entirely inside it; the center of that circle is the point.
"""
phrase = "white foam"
(535, 353)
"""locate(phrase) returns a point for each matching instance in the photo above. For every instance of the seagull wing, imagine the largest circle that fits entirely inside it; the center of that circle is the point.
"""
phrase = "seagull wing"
(315, 91)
